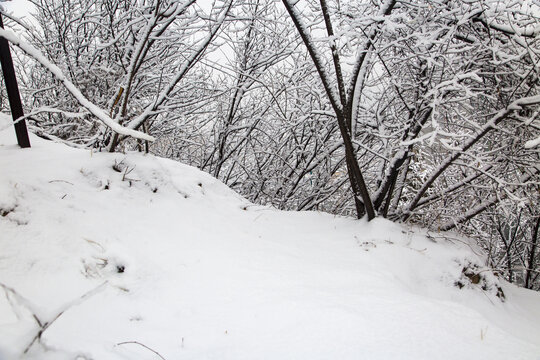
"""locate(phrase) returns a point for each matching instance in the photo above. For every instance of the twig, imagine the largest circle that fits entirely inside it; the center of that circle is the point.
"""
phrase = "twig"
(21, 300)
(127, 171)
(144, 346)
(64, 181)
(92, 242)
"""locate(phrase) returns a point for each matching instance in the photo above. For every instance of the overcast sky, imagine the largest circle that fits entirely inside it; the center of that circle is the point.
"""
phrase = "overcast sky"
(17, 7)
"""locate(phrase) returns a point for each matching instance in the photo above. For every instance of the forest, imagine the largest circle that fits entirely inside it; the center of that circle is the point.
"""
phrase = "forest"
(422, 112)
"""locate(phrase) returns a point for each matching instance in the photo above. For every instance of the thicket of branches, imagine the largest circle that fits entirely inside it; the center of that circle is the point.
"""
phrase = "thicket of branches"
(420, 111)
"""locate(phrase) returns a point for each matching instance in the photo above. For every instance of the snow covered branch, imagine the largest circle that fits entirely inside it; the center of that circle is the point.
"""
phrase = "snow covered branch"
(87, 104)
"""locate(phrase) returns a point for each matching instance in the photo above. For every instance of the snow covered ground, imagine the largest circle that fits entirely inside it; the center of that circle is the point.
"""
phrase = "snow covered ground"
(130, 256)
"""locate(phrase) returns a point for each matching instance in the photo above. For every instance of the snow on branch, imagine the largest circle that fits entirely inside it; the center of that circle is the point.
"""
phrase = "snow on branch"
(87, 104)
(529, 31)
(532, 100)
(532, 143)
(490, 201)
(186, 65)
(490, 125)
(314, 53)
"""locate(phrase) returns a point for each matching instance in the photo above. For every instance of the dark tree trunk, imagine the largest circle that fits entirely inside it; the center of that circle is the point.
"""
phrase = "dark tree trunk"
(532, 253)
(13, 92)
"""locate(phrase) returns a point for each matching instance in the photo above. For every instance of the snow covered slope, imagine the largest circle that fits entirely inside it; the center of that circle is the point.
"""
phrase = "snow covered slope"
(127, 256)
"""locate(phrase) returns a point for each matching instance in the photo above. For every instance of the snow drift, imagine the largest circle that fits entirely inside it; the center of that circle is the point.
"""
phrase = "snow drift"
(130, 256)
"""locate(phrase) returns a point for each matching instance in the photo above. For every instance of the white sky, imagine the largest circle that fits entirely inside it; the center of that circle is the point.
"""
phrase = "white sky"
(17, 7)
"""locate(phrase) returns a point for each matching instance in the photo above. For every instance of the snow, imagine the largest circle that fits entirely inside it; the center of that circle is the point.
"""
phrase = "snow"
(207, 275)
(532, 143)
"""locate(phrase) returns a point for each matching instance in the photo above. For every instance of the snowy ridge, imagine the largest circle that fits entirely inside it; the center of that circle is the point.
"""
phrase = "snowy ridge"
(122, 256)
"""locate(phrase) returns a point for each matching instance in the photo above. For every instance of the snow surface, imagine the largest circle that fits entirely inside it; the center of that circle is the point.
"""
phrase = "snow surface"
(207, 275)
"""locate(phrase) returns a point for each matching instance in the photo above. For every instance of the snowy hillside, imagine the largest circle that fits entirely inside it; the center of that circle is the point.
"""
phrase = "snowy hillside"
(127, 256)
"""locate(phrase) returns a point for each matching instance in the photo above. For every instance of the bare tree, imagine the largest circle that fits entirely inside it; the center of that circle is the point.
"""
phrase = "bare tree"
(122, 61)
